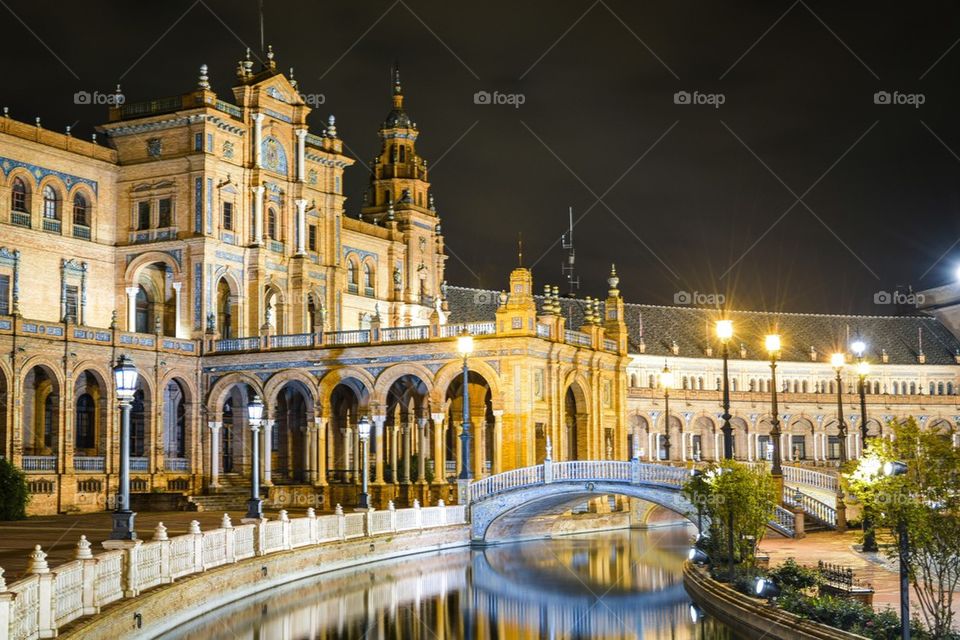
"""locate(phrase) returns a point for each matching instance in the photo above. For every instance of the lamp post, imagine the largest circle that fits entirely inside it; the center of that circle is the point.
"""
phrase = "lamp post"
(891, 469)
(255, 417)
(837, 360)
(773, 348)
(465, 348)
(666, 381)
(363, 426)
(724, 333)
(125, 375)
(863, 368)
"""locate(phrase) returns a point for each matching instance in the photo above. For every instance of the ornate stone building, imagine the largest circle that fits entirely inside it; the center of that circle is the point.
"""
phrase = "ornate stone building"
(208, 240)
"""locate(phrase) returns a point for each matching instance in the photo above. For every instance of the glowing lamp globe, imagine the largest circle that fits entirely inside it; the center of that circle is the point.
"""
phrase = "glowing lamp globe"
(125, 375)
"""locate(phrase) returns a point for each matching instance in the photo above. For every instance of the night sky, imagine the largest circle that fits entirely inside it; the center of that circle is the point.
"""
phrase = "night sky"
(695, 197)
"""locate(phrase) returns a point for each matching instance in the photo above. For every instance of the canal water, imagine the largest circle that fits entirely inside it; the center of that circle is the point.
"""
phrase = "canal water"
(618, 584)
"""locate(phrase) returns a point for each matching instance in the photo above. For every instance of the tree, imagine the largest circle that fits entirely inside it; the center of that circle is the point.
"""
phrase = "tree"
(13, 492)
(737, 493)
(926, 501)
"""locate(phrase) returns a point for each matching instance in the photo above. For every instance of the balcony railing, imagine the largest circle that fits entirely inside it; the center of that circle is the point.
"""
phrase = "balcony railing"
(361, 336)
(39, 463)
(401, 334)
(88, 463)
(52, 225)
(292, 340)
(577, 338)
(176, 464)
(81, 231)
(139, 464)
(20, 218)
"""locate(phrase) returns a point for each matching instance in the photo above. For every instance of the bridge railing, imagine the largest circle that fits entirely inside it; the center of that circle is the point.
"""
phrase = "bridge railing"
(783, 521)
(820, 511)
(809, 477)
(578, 470)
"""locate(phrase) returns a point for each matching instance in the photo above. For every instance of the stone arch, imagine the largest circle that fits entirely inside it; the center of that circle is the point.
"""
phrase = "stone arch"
(132, 272)
(228, 292)
(703, 443)
(741, 434)
(532, 500)
(393, 373)
(6, 442)
(292, 410)
(277, 381)
(575, 432)
(175, 421)
(59, 191)
(217, 395)
(91, 407)
(450, 371)
(359, 380)
(42, 402)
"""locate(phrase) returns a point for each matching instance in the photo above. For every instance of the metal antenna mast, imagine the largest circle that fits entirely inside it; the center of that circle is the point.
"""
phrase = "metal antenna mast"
(262, 47)
(573, 282)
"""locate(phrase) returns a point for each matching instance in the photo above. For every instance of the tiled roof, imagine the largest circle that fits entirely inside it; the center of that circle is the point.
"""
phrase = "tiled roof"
(691, 328)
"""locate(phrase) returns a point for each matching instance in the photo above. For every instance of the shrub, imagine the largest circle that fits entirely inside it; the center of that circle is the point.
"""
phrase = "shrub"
(792, 575)
(13, 492)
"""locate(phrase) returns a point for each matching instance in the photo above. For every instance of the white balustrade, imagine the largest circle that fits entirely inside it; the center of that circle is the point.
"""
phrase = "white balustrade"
(291, 340)
(360, 336)
(404, 334)
(809, 477)
(43, 602)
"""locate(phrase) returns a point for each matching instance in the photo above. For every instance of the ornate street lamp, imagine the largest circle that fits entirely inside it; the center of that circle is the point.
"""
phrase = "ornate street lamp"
(125, 376)
(724, 333)
(255, 418)
(363, 426)
(863, 369)
(465, 348)
(838, 360)
(666, 381)
(773, 348)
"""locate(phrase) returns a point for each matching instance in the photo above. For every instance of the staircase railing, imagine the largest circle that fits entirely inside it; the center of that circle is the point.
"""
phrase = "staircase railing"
(819, 511)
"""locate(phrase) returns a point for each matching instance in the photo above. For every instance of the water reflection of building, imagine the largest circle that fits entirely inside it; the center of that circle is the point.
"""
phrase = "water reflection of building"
(626, 586)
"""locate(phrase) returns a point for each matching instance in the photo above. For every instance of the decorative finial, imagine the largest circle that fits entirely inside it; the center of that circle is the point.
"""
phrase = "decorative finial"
(430, 203)
(160, 533)
(38, 561)
(613, 281)
(38, 122)
(331, 126)
(204, 81)
(293, 81)
(83, 549)
(271, 63)
(68, 131)
(93, 138)
(6, 112)
(390, 210)
(118, 96)
(520, 249)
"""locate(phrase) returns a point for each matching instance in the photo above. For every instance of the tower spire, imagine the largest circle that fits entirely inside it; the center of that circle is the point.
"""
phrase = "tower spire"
(520, 249)
(397, 88)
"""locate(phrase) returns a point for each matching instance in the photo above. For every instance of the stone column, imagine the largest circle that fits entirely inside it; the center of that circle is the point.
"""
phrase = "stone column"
(405, 447)
(683, 447)
(422, 447)
(257, 213)
(394, 441)
(266, 451)
(439, 449)
(479, 446)
(132, 308)
(301, 154)
(308, 453)
(320, 424)
(348, 450)
(301, 225)
(176, 308)
(214, 453)
(378, 422)
(497, 466)
(257, 139)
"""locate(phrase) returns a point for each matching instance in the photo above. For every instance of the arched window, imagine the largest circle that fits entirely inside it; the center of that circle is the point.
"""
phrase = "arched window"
(403, 153)
(949, 388)
(700, 383)
(633, 379)
(272, 231)
(51, 203)
(84, 429)
(650, 382)
(143, 315)
(174, 417)
(369, 278)
(353, 276)
(18, 198)
(81, 213)
(896, 388)
(913, 388)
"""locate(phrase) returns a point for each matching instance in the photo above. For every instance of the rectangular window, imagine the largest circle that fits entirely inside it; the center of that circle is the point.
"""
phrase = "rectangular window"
(312, 237)
(198, 142)
(5, 295)
(143, 215)
(164, 213)
(228, 216)
(833, 447)
(72, 304)
(764, 448)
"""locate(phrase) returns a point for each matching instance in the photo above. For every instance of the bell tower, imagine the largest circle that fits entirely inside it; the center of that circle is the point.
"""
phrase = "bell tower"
(399, 197)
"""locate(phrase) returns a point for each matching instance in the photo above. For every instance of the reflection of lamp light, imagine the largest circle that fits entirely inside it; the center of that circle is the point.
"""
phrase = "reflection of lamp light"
(363, 430)
(696, 613)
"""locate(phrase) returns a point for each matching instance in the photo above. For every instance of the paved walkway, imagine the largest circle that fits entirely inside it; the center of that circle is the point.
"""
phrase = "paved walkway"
(58, 535)
(843, 549)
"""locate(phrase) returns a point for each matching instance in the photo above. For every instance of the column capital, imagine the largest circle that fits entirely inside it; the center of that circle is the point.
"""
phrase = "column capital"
(301, 204)
(256, 116)
(440, 417)
(132, 291)
(379, 420)
(258, 189)
(213, 425)
(176, 285)
(300, 133)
